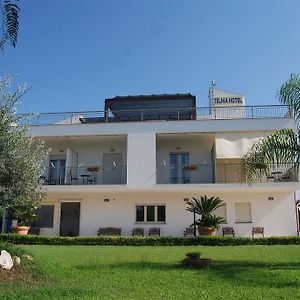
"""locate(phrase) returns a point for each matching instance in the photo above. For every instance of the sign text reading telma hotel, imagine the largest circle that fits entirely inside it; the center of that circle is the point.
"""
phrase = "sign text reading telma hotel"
(228, 100)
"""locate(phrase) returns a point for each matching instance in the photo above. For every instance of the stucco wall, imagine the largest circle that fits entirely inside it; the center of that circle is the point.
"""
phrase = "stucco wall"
(276, 216)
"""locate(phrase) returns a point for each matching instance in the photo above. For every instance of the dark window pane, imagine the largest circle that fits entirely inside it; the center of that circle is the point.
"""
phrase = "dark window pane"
(45, 215)
(161, 213)
(150, 213)
(140, 213)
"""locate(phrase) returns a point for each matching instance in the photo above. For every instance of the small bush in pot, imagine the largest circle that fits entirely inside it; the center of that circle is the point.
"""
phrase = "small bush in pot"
(24, 213)
(208, 223)
(194, 260)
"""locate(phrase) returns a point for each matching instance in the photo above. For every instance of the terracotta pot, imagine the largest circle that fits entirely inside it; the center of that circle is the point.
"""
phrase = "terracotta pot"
(20, 229)
(197, 263)
(207, 230)
(190, 168)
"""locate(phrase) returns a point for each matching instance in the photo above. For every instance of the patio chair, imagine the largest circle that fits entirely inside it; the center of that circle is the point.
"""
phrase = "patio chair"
(154, 231)
(138, 231)
(109, 231)
(188, 231)
(257, 230)
(228, 231)
(34, 230)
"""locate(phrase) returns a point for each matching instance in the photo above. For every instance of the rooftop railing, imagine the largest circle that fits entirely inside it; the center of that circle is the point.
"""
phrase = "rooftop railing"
(159, 114)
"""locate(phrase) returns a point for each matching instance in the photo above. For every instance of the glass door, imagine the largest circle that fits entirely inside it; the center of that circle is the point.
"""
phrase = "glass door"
(57, 170)
(178, 163)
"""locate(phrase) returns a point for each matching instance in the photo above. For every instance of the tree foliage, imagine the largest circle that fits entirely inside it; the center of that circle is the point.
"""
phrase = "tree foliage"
(281, 149)
(20, 157)
(10, 22)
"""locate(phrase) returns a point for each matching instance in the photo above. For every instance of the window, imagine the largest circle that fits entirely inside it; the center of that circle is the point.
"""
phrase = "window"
(221, 212)
(150, 213)
(45, 215)
(140, 213)
(243, 212)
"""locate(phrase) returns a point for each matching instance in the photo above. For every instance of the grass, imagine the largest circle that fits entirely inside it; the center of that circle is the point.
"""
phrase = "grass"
(110, 272)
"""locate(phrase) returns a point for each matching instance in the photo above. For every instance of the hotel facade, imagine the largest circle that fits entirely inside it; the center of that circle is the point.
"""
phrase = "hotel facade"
(137, 163)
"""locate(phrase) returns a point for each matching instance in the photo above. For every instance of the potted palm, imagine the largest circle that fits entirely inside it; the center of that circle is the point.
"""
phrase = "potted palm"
(208, 223)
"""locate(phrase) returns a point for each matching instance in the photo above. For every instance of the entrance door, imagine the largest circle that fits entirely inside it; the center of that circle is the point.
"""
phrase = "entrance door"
(69, 218)
(112, 164)
(178, 173)
(57, 169)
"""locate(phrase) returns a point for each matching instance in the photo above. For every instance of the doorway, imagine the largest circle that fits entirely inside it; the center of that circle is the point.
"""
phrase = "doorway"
(57, 169)
(178, 162)
(69, 218)
(113, 168)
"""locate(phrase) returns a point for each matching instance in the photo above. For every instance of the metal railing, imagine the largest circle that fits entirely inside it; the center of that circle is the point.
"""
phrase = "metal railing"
(222, 173)
(85, 175)
(163, 114)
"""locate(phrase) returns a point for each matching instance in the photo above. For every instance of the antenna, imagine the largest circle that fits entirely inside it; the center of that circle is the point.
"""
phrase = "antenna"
(211, 92)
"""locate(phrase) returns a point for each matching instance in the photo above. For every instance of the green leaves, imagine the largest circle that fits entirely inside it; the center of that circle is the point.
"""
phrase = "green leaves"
(205, 207)
(20, 157)
(10, 15)
(280, 150)
(289, 94)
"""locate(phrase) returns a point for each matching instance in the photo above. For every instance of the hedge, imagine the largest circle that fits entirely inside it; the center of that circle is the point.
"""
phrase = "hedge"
(147, 241)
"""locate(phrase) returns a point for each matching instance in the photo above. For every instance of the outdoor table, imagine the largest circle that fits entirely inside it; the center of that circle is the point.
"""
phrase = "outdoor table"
(276, 175)
(85, 178)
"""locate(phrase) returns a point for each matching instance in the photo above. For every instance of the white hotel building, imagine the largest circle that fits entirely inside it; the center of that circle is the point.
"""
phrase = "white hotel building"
(136, 163)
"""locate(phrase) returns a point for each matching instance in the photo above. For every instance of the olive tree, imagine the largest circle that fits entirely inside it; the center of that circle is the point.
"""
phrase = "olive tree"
(20, 158)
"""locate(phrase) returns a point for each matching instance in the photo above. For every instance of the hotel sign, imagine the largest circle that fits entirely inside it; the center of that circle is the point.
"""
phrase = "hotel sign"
(228, 100)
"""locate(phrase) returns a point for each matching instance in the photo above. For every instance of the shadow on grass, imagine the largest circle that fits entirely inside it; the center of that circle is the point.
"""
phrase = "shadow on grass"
(246, 273)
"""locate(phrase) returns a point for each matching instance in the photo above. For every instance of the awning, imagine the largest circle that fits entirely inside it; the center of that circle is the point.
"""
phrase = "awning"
(235, 145)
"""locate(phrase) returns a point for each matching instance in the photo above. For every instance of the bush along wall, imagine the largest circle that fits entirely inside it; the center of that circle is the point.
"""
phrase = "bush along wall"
(147, 241)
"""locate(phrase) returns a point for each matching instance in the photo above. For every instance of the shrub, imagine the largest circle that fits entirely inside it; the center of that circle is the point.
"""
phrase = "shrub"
(193, 255)
(147, 241)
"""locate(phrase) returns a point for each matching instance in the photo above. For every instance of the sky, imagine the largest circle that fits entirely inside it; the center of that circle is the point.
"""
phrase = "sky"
(74, 54)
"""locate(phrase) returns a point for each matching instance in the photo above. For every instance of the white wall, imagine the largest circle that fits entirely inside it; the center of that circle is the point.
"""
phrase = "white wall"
(163, 127)
(277, 216)
(141, 159)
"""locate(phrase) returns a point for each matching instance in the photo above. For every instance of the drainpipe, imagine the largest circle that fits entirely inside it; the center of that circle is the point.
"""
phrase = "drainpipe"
(297, 214)
(3, 219)
(194, 222)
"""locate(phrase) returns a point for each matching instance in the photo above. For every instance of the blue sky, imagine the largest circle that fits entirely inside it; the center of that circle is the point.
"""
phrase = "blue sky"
(74, 54)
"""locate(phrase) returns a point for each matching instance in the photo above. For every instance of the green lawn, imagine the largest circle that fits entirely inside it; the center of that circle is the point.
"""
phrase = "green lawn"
(110, 272)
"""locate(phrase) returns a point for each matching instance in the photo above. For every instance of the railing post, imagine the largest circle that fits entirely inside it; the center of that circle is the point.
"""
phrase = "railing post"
(252, 112)
(142, 115)
(178, 116)
(106, 116)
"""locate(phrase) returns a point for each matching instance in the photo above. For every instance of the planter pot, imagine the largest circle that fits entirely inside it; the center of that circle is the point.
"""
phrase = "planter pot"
(190, 168)
(20, 229)
(197, 263)
(207, 230)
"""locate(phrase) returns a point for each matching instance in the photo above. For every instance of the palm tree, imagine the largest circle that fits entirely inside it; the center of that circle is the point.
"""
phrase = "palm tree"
(205, 207)
(280, 149)
(10, 22)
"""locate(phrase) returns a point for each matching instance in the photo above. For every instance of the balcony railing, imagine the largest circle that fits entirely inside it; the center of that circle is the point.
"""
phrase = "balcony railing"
(165, 114)
(85, 175)
(222, 173)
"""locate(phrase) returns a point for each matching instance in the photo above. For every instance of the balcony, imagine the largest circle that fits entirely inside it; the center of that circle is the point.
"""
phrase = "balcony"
(94, 175)
(159, 114)
(222, 173)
